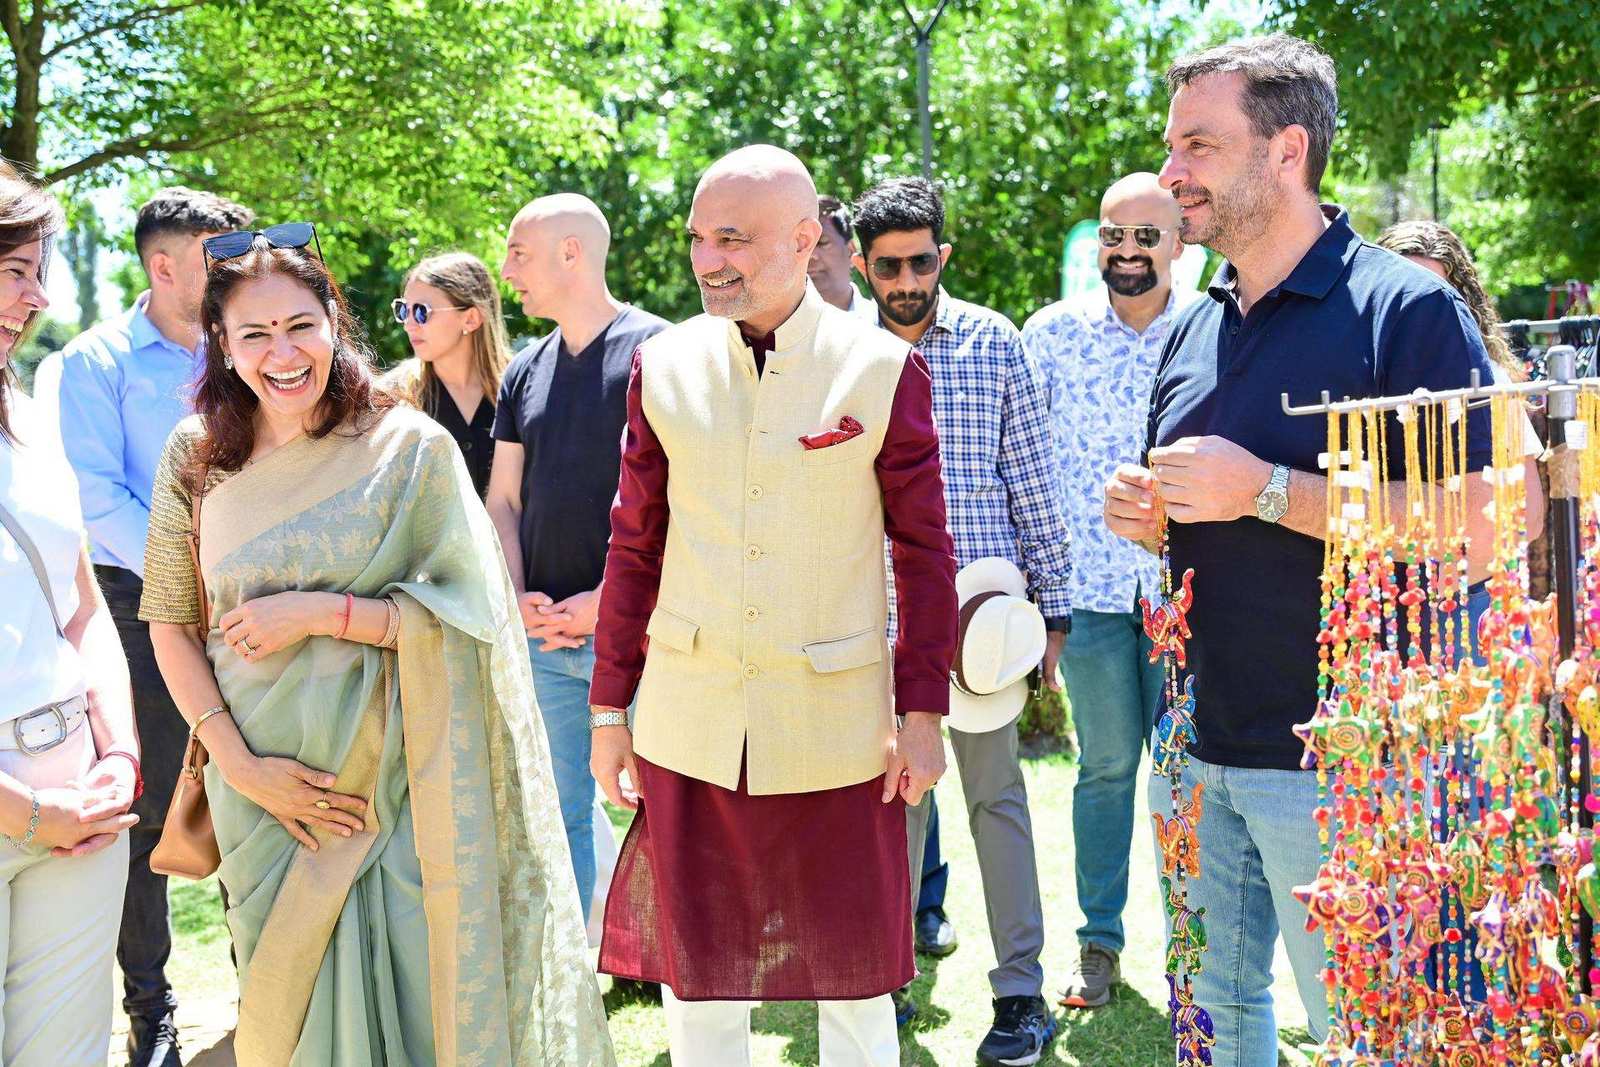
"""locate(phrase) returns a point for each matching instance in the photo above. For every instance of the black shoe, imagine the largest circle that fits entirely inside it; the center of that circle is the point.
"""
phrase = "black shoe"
(153, 1041)
(1023, 1026)
(905, 1009)
(935, 935)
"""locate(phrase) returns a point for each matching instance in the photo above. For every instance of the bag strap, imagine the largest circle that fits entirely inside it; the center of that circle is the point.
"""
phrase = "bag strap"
(193, 538)
(9, 521)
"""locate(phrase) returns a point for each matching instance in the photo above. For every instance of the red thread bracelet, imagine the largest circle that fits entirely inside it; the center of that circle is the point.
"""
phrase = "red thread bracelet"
(344, 627)
(138, 775)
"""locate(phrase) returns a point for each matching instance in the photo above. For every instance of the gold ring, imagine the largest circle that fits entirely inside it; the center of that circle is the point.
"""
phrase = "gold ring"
(244, 643)
(324, 805)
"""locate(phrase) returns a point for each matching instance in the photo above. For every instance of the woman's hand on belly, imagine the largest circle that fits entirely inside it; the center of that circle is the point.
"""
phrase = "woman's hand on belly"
(298, 797)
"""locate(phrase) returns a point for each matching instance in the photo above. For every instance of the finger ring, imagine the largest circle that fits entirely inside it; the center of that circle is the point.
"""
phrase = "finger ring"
(324, 805)
(244, 643)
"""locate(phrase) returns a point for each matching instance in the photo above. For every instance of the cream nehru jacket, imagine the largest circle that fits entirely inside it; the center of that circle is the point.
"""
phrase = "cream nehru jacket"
(769, 632)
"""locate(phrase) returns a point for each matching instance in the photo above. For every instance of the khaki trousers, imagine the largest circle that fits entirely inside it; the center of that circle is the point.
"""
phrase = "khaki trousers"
(58, 931)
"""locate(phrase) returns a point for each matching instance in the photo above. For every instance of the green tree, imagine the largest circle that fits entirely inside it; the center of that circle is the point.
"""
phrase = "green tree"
(1517, 83)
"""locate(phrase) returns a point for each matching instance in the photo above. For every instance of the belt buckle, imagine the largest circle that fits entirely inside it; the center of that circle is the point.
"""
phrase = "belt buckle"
(61, 729)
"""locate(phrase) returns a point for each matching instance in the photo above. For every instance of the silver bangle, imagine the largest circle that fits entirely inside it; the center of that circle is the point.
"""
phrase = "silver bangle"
(33, 824)
(598, 719)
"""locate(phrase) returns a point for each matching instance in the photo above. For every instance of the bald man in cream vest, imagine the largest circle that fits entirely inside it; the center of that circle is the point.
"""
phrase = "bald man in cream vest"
(771, 444)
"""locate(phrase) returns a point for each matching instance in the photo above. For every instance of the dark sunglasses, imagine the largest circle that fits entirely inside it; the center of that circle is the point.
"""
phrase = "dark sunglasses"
(284, 235)
(1143, 236)
(419, 311)
(887, 268)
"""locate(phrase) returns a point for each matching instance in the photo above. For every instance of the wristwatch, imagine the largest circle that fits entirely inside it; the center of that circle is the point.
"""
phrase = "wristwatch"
(1272, 503)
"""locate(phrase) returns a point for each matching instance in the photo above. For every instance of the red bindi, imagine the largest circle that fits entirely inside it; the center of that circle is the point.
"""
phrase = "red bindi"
(274, 322)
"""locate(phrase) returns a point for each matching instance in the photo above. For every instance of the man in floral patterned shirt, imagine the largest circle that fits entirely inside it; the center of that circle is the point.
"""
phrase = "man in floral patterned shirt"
(1097, 356)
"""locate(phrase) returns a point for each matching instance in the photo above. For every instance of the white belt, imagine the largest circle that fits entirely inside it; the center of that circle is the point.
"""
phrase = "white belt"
(44, 728)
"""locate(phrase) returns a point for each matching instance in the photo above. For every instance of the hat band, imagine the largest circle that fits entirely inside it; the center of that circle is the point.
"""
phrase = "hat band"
(969, 610)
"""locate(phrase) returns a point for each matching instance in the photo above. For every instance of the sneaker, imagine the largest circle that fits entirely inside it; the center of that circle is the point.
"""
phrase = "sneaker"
(1023, 1026)
(905, 1009)
(153, 1041)
(935, 934)
(1098, 970)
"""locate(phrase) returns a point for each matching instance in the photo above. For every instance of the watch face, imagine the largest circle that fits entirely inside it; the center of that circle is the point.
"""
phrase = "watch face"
(1271, 505)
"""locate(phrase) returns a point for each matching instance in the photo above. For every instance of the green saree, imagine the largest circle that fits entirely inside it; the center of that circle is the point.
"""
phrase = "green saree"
(448, 932)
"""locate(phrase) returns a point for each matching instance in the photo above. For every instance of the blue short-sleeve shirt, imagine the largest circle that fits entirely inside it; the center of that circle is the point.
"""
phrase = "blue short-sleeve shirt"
(1352, 319)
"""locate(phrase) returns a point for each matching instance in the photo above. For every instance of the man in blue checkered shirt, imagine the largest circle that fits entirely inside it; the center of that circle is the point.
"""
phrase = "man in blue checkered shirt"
(1002, 496)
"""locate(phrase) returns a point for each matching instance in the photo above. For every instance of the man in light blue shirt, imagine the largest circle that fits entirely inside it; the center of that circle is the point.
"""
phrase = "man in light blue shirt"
(1097, 356)
(124, 385)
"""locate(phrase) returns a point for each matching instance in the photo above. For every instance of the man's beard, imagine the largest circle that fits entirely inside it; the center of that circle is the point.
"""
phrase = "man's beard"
(736, 305)
(1129, 284)
(909, 306)
(1239, 216)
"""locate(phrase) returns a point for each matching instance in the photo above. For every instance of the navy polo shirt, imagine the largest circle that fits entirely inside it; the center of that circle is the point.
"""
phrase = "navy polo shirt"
(1350, 318)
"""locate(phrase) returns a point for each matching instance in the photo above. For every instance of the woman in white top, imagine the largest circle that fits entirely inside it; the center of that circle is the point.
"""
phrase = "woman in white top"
(69, 753)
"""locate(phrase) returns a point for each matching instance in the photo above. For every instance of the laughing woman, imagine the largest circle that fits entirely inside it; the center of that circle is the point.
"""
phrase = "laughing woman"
(379, 780)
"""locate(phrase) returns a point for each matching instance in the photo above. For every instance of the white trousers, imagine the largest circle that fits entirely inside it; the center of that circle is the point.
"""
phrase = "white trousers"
(59, 920)
(716, 1033)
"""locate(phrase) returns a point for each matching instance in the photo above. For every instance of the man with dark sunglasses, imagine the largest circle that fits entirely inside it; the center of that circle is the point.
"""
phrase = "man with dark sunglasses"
(1003, 499)
(124, 386)
(1097, 355)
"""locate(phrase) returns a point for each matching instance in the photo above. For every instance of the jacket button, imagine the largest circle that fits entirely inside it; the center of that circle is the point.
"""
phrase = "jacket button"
(755, 492)
(751, 614)
(751, 670)
(752, 552)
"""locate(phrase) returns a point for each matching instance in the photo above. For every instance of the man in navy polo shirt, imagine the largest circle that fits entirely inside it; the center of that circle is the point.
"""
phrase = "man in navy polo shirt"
(1302, 305)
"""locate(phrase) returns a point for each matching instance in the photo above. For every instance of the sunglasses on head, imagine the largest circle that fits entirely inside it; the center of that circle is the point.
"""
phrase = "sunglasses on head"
(284, 235)
(1144, 236)
(887, 268)
(419, 311)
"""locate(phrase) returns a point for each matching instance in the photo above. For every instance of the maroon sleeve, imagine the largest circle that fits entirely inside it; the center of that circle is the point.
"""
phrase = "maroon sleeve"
(924, 556)
(633, 562)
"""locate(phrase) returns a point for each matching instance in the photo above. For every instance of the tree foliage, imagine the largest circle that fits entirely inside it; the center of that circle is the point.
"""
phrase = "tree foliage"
(1522, 81)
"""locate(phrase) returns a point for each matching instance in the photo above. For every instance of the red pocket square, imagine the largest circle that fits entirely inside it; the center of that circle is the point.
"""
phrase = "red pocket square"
(848, 428)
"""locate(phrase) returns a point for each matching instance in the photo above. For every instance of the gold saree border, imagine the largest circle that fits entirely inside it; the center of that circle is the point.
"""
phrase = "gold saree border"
(425, 691)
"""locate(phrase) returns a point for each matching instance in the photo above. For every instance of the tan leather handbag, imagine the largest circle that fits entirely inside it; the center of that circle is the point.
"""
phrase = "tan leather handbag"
(188, 845)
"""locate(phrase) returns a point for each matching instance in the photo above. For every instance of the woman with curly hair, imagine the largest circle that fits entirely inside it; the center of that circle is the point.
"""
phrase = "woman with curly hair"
(1433, 246)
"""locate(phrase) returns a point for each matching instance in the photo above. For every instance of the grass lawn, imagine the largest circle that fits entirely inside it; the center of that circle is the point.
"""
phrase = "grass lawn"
(953, 993)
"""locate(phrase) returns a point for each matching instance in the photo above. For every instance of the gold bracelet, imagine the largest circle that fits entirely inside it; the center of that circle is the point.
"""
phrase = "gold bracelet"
(220, 709)
(391, 630)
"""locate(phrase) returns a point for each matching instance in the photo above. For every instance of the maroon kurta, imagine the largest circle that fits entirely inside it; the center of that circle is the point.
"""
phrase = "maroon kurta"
(721, 895)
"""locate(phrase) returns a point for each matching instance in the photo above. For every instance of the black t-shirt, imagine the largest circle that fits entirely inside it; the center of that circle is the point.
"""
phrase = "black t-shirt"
(568, 413)
(1352, 319)
(475, 438)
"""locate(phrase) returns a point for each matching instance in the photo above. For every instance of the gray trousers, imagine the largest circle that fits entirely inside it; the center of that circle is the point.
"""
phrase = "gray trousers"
(997, 811)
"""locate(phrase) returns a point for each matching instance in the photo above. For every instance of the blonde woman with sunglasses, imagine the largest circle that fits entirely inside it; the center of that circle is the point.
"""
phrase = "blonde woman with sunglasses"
(450, 310)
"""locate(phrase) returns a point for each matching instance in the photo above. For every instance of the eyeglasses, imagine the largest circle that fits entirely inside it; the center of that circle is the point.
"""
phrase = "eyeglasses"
(284, 235)
(1144, 236)
(887, 268)
(419, 311)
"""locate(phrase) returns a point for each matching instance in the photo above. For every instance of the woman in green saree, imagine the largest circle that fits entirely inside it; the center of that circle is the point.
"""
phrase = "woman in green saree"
(379, 780)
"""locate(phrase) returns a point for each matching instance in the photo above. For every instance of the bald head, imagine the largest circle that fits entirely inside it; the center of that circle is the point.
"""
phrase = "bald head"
(1138, 209)
(1140, 193)
(556, 253)
(752, 228)
(767, 172)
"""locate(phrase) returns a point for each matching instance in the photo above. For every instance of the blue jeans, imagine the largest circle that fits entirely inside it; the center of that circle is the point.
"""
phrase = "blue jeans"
(561, 684)
(1114, 689)
(1258, 840)
(935, 871)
